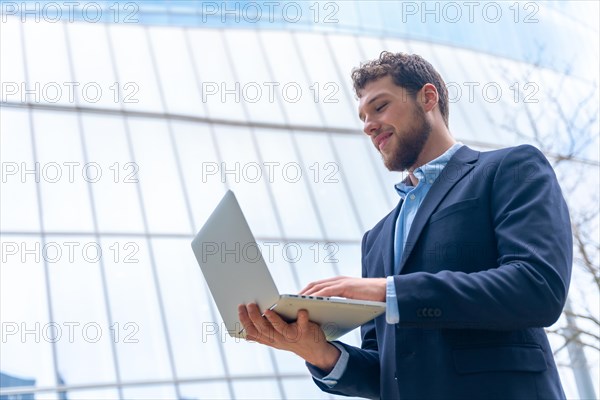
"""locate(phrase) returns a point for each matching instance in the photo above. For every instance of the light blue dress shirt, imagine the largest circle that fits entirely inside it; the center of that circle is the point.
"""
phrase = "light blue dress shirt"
(412, 197)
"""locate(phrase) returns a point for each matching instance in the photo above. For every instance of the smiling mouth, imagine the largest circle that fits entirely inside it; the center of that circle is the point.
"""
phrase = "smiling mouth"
(382, 139)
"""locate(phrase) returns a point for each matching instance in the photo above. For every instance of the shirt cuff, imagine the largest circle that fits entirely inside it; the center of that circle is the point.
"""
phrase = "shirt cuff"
(392, 314)
(336, 373)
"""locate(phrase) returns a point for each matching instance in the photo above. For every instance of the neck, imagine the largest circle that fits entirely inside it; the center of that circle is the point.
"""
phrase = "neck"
(437, 144)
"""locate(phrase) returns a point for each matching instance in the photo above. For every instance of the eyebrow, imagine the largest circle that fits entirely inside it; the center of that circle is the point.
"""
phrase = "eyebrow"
(360, 115)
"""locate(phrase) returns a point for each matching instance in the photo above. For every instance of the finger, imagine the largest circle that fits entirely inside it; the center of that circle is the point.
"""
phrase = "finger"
(276, 321)
(326, 289)
(246, 322)
(262, 325)
(319, 283)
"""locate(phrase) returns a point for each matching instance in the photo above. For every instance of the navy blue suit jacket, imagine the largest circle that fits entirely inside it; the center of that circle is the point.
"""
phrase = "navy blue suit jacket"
(486, 265)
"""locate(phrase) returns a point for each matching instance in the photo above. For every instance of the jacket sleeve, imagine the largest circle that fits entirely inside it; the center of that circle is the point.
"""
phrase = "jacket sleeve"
(528, 287)
(361, 376)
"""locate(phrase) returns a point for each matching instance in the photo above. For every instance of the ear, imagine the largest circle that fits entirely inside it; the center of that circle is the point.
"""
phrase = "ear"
(429, 97)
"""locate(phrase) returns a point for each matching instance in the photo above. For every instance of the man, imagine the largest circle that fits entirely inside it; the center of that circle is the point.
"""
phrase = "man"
(473, 262)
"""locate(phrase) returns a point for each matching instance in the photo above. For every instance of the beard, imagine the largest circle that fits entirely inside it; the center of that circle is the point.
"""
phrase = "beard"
(409, 143)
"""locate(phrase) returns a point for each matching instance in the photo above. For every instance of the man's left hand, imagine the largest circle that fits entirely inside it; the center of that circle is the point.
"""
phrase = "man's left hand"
(352, 288)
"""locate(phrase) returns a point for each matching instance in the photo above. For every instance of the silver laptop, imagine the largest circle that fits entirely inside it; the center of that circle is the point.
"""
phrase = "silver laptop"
(236, 273)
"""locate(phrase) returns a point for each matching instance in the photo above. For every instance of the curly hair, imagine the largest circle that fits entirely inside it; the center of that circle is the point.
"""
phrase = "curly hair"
(409, 71)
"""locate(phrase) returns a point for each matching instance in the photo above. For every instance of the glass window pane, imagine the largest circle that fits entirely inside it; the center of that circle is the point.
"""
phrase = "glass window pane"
(158, 176)
(303, 388)
(141, 345)
(146, 392)
(247, 358)
(327, 182)
(256, 389)
(11, 62)
(337, 104)
(177, 80)
(201, 168)
(256, 92)
(294, 88)
(209, 390)
(313, 261)
(350, 259)
(47, 63)
(289, 363)
(79, 309)
(245, 174)
(288, 181)
(193, 332)
(26, 344)
(137, 82)
(18, 194)
(218, 85)
(115, 191)
(358, 168)
(347, 55)
(92, 64)
(275, 255)
(93, 394)
(63, 173)
(371, 47)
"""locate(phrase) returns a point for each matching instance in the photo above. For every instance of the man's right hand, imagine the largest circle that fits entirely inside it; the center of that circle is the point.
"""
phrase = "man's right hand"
(303, 337)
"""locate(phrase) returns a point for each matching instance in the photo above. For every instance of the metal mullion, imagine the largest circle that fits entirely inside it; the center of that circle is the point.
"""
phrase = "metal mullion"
(213, 137)
(271, 198)
(94, 218)
(40, 215)
(65, 388)
(145, 224)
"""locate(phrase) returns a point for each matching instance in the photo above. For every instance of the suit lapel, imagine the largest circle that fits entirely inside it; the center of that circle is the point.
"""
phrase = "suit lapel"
(458, 166)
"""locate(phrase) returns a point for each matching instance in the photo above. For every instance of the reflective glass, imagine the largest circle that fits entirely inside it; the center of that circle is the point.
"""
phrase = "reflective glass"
(18, 194)
(288, 181)
(141, 344)
(27, 330)
(245, 173)
(201, 167)
(327, 184)
(257, 89)
(80, 310)
(296, 91)
(347, 55)
(219, 87)
(93, 394)
(47, 63)
(11, 62)
(62, 172)
(208, 390)
(253, 389)
(303, 389)
(144, 392)
(331, 96)
(193, 331)
(159, 180)
(93, 67)
(177, 80)
(115, 189)
(137, 82)
(369, 197)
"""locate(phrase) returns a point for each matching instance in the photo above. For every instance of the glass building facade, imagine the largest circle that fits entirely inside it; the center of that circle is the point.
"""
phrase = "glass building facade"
(123, 124)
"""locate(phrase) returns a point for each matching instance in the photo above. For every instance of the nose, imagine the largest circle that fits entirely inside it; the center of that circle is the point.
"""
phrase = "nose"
(371, 126)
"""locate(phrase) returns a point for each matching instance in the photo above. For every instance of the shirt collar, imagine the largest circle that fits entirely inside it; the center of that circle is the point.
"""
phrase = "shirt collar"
(428, 173)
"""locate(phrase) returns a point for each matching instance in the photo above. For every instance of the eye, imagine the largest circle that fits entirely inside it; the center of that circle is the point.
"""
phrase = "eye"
(381, 107)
